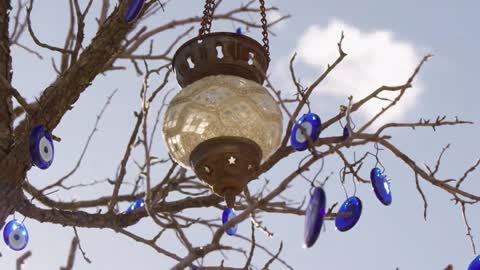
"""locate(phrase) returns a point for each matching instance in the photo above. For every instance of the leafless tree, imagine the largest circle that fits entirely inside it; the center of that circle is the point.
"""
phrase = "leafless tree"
(78, 62)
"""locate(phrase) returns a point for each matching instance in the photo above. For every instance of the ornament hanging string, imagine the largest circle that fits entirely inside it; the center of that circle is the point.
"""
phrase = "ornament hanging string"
(206, 23)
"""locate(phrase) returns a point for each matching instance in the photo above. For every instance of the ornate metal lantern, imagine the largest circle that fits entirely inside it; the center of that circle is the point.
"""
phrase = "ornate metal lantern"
(223, 123)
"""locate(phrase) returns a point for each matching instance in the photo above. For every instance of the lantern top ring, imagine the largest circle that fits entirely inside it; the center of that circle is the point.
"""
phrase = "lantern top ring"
(220, 53)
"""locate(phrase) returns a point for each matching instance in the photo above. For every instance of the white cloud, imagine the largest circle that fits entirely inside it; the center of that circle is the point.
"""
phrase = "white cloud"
(374, 58)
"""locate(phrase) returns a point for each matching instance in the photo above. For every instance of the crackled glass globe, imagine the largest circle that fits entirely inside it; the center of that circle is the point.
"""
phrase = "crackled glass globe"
(221, 105)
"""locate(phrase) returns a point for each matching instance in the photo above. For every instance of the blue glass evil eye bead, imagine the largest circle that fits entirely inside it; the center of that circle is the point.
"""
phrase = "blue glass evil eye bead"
(346, 133)
(311, 123)
(133, 10)
(15, 235)
(352, 205)
(381, 186)
(475, 264)
(314, 217)
(41, 147)
(135, 205)
(229, 214)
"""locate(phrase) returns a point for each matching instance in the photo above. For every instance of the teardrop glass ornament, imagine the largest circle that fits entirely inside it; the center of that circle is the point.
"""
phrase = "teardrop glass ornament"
(40, 145)
(349, 214)
(475, 264)
(229, 214)
(346, 133)
(311, 124)
(314, 217)
(135, 205)
(15, 235)
(381, 186)
(133, 10)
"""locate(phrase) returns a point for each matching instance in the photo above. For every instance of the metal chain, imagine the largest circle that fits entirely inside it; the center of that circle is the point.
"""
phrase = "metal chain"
(265, 40)
(207, 17)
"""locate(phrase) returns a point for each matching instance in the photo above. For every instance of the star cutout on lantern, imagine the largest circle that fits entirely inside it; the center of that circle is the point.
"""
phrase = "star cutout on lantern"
(232, 160)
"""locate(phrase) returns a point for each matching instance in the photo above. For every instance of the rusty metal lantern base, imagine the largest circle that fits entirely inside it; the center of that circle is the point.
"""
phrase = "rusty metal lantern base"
(227, 164)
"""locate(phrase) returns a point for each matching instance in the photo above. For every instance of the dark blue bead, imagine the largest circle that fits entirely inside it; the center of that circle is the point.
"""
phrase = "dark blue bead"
(239, 31)
(375, 172)
(381, 186)
(475, 264)
(41, 147)
(229, 214)
(346, 133)
(135, 205)
(352, 205)
(133, 10)
(314, 217)
(15, 235)
(311, 123)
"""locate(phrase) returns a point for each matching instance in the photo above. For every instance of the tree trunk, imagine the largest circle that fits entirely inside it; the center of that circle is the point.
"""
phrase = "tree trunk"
(7, 189)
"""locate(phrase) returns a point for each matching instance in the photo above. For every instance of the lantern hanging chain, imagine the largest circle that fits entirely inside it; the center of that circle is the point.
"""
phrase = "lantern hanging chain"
(207, 18)
(263, 13)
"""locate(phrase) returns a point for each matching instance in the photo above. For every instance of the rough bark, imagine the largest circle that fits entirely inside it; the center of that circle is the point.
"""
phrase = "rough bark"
(6, 192)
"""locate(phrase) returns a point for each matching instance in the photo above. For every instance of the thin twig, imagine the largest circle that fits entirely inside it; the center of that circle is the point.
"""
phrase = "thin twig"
(80, 246)
(21, 260)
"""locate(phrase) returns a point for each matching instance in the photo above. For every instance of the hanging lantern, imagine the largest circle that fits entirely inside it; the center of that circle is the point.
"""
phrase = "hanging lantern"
(223, 123)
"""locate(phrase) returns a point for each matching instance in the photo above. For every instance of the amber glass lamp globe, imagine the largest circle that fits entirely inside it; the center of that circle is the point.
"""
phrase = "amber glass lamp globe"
(221, 106)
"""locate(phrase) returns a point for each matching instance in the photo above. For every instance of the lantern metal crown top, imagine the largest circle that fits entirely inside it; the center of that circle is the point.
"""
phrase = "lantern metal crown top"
(223, 123)
(222, 53)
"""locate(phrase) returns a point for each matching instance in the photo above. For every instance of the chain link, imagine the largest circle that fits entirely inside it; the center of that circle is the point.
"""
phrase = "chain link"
(263, 13)
(207, 18)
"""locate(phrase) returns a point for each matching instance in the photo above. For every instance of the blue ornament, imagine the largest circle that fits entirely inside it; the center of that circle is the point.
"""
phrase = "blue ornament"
(475, 264)
(41, 147)
(229, 214)
(314, 217)
(352, 205)
(133, 10)
(346, 133)
(140, 203)
(311, 123)
(381, 186)
(15, 235)
(239, 31)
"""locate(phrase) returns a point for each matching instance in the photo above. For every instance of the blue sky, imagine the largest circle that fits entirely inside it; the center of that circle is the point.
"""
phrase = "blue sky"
(384, 40)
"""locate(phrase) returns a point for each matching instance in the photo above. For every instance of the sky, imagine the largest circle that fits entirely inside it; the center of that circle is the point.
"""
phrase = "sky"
(384, 41)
